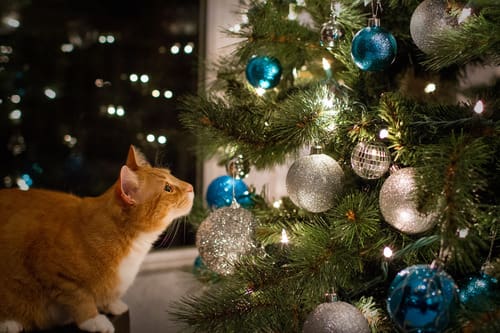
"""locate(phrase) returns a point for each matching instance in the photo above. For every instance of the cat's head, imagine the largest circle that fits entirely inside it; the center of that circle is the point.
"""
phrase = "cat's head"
(153, 190)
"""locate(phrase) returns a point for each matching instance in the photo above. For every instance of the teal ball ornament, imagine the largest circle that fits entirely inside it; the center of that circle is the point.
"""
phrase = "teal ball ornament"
(263, 72)
(373, 48)
(480, 293)
(221, 190)
(422, 298)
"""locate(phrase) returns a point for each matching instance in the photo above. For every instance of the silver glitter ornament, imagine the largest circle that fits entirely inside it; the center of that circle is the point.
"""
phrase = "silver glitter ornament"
(398, 204)
(313, 181)
(238, 167)
(224, 236)
(430, 18)
(336, 317)
(331, 32)
(370, 160)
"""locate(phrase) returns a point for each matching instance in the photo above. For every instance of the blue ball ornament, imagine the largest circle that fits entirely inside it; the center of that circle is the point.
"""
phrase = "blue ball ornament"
(422, 299)
(220, 192)
(480, 293)
(373, 48)
(263, 72)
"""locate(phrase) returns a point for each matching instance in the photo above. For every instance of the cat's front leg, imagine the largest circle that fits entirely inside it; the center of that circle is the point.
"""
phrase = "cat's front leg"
(115, 308)
(99, 323)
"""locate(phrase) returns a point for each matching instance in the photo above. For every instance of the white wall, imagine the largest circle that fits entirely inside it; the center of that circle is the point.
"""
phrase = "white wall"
(224, 14)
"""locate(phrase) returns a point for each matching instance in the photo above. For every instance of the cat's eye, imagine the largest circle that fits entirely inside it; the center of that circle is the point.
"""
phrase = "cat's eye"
(168, 188)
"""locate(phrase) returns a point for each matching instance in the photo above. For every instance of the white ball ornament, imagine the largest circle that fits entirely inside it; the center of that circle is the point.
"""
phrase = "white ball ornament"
(398, 203)
(313, 181)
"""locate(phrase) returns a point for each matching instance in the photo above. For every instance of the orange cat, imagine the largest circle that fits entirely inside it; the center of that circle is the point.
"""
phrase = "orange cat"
(67, 259)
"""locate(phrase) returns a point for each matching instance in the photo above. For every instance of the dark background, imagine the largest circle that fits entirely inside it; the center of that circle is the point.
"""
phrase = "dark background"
(70, 142)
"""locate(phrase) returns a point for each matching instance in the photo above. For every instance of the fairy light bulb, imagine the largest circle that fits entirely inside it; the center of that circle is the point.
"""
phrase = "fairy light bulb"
(479, 107)
(388, 252)
(284, 237)
(384, 133)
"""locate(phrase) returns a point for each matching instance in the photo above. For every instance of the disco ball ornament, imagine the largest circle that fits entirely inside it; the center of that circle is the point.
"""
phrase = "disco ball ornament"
(331, 32)
(313, 181)
(224, 237)
(238, 167)
(480, 293)
(398, 204)
(370, 160)
(263, 72)
(422, 298)
(220, 192)
(336, 317)
(430, 18)
(373, 48)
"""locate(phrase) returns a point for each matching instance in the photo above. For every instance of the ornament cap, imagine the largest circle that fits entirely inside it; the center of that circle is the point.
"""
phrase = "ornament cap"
(374, 22)
(316, 149)
(331, 296)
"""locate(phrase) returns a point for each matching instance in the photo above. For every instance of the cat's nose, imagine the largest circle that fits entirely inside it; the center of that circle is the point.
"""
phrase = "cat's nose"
(189, 188)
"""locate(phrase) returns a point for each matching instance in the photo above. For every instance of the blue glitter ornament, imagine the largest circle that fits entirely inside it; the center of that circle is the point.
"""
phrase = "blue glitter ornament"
(422, 298)
(220, 192)
(373, 48)
(480, 293)
(263, 72)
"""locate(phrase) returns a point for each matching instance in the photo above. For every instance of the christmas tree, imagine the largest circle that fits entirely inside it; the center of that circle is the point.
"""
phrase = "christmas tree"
(394, 214)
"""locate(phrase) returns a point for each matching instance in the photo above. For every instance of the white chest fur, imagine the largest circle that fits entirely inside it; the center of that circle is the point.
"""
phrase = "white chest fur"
(130, 264)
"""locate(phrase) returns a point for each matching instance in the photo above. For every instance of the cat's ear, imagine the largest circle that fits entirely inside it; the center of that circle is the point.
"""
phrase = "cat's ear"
(128, 186)
(136, 159)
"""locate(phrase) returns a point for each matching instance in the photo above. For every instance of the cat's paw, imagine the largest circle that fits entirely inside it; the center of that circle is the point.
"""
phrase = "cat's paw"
(116, 308)
(99, 323)
(10, 326)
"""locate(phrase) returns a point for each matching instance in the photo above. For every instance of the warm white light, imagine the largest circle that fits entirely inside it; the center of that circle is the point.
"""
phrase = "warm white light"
(235, 28)
(120, 111)
(15, 114)
(175, 49)
(387, 252)
(50, 93)
(284, 237)
(150, 138)
(188, 48)
(168, 94)
(22, 184)
(260, 91)
(292, 14)
(133, 77)
(384, 133)
(464, 15)
(102, 39)
(430, 88)
(462, 233)
(67, 47)
(277, 203)
(11, 21)
(111, 109)
(295, 73)
(67, 138)
(155, 93)
(15, 99)
(162, 139)
(110, 39)
(326, 64)
(144, 78)
(479, 107)
(5, 49)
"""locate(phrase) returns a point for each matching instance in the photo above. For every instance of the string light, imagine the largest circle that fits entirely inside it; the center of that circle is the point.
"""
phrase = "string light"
(479, 107)
(384, 133)
(260, 91)
(430, 88)
(277, 203)
(284, 237)
(387, 252)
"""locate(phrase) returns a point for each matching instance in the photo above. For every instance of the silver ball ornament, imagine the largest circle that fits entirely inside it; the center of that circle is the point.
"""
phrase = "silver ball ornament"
(430, 18)
(224, 236)
(398, 203)
(331, 32)
(336, 317)
(238, 167)
(370, 160)
(313, 181)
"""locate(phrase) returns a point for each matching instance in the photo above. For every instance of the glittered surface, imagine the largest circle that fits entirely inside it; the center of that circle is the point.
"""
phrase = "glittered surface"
(373, 48)
(220, 192)
(422, 299)
(313, 181)
(398, 205)
(480, 293)
(429, 18)
(336, 317)
(224, 236)
(331, 32)
(370, 160)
